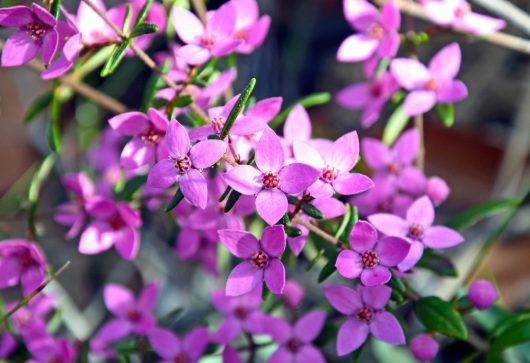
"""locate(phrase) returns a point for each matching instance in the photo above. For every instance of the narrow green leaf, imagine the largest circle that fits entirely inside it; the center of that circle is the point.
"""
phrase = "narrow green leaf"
(127, 19)
(344, 237)
(143, 29)
(311, 100)
(439, 315)
(115, 58)
(505, 324)
(311, 211)
(292, 200)
(446, 113)
(396, 284)
(177, 198)
(327, 270)
(225, 194)
(344, 222)
(437, 263)
(54, 131)
(232, 200)
(39, 105)
(395, 125)
(476, 213)
(143, 13)
(397, 296)
(327, 334)
(131, 187)
(293, 231)
(238, 107)
(516, 334)
(56, 8)
(34, 190)
(182, 101)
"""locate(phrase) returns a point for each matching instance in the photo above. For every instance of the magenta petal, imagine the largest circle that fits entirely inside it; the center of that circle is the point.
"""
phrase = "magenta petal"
(330, 208)
(243, 278)
(195, 342)
(269, 152)
(281, 355)
(375, 296)
(136, 154)
(177, 139)
(309, 353)
(206, 153)
(222, 303)
(414, 255)
(193, 54)
(355, 97)
(418, 102)
(9, 271)
(147, 298)
(230, 355)
(195, 188)
(297, 125)
(256, 322)
(50, 42)
(275, 276)
(57, 68)
(363, 237)
(130, 123)
(222, 22)
(376, 275)
(480, 24)
(307, 154)
(349, 264)
(375, 153)
(43, 15)
(390, 16)
(321, 190)
(356, 48)
(409, 73)
(162, 175)
(446, 63)
(421, 212)
(441, 237)
(93, 239)
(127, 243)
(344, 299)
(241, 244)
(273, 240)
(271, 205)
(352, 183)
(245, 179)
(344, 152)
(118, 299)
(411, 181)
(296, 244)
(392, 250)
(386, 328)
(296, 177)
(18, 49)
(309, 326)
(227, 331)
(164, 343)
(248, 126)
(15, 16)
(452, 91)
(265, 109)
(407, 146)
(352, 334)
(113, 330)
(188, 27)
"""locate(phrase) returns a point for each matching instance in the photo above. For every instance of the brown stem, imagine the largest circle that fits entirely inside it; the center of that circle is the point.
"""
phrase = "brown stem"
(420, 160)
(316, 230)
(200, 9)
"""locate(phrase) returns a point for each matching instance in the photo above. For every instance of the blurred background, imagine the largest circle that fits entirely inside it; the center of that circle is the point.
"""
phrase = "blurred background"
(484, 156)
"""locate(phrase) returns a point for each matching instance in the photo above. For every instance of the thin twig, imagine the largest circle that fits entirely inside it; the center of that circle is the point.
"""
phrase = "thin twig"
(418, 124)
(200, 9)
(316, 230)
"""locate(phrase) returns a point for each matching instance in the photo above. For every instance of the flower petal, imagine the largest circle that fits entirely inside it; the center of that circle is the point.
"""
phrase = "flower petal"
(309, 326)
(409, 73)
(147, 298)
(242, 279)
(307, 154)
(452, 91)
(421, 212)
(349, 264)
(414, 255)
(19, 49)
(195, 342)
(273, 240)
(245, 179)
(164, 342)
(275, 276)
(206, 153)
(162, 175)
(418, 102)
(112, 331)
(441, 237)
(222, 22)
(309, 353)
(344, 299)
(407, 146)
(389, 224)
(446, 63)
(177, 139)
(195, 188)
(352, 183)
(344, 152)
(330, 208)
(15, 16)
(281, 355)
(352, 334)
(386, 328)
(241, 244)
(227, 331)
(363, 237)
(118, 299)
(269, 152)
(321, 190)
(480, 24)
(193, 54)
(375, 296)
(9, 271)
(356, 48)
(130, 123)
(188, 27)
(127, 242)
(355, 97)
(93, 239)
(376, 275)
(136, 154)
(297, 177)
(265, 109)
(392, 250)
(271, 205)
(297, 125)
(50, 42)
(375, 153)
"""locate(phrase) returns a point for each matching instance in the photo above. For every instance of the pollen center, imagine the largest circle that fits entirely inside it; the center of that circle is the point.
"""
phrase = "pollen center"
(376, 31)
(134, 315)
(375, 89)
(431, 85)
(208, 41)
(36, 30)
(25, 261)
(183, 164)
(369, 259)
(218, 123)
(271, 180)
(260, 260)
(241, 312)
(365, 314)
(393, 168)
(415, 231)
(180, 358)
(329, 174)
(240, 35)
(151, 137)
(293, 345)
(116, 222)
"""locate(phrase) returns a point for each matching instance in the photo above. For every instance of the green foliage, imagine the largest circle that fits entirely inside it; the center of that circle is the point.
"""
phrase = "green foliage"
(440, 316)
(314, 99)
(232, 200)
(115, 58)
(437, 263)
(446, 113)
(177, 198)
(143, 29)
(238, 107)
(395, 125)
(40, 104)
(476, 213)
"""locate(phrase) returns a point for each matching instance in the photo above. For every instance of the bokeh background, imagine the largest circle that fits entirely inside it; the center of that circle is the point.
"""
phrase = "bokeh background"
(484, 156)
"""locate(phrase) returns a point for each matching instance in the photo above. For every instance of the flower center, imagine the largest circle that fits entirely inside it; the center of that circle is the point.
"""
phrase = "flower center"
(415, 231)
(376, 31)
(183, 164)
(55, 360)
(271, 180)
(462, 10)
(180, 358)
(208, 41)
(36, 30)
(393, 168)
(151, 137)
(116, 222)
(293, 345)
(385, 206)
(218, 123)
(240, 35)
(329, 174)
(25, 261)
(241, 312)
(134, 315)
(375, 89)
(365, 314)
(369, 258)
(431, 85)
(260, 260)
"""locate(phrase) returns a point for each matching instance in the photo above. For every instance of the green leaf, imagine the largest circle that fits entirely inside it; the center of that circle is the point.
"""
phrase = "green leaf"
(439, 264)
(54, 130)
(293, 231)
(127, 19)
(476, 213)
(395, 125)
(131, 187)
(328, 269)
(439, 315)
(143, 13)
(39, 105)
(225, 194)
(182, 101)
(232, 200)
(143, 29)
(516, 334)
(314, 99)
(327, 334)
(177, 198)
(115, 58)
(34, 190)
(396, 284)
(153, 84)
(56, 8)
(311, 211)
(505, 324)
(446, 113)
(238, 107)
(344, 237)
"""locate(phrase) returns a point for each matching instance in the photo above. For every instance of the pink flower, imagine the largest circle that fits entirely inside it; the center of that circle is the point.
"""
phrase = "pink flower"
(334, 167)
(199, 246)
(437, 189)
(262, 260)
(115, 224)
(48, 349)
(364, 308)
(292, 294)
(272, 179)
(424, 347)
(240, 312)
(417, 228)
(377, 32)
(457, 13)
(249, 29)
(482, 294)
(148, 134)
(295, 341)
(8, 344)
(370, 258)
(172, 349)
(92, 27)
(30, 320)
(203, 42)
(70, 43)
(184, 164)
(370, 97)
(36, 31)
(428, 86)
(23, 262)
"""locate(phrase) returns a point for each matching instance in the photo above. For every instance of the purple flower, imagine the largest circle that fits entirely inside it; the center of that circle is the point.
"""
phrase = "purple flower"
(424, 347)
(417, 228)
(334, 167)
(148, 134)
(172, 349)
(30, 320)
(272, 179)
(437, 190)
(377, 32)
(70, 43)
(240, 312)
(250, 29)
(200, 246)
(482, 294)
(295, 341)
(428, 86)
(364, 308)
(47, 349)
(23, 262)
(370, 258)
(93, 28)
(458, 14)
(262, 260)
(8, 344)
(185, 163)
(203, 42)
(36, 31)
(292, 294)
(115, 224)
(368, 96)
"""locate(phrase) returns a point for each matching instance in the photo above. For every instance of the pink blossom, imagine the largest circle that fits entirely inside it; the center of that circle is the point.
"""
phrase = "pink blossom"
(428, 86)
(437, 190)
(292, 294)
(94, 30)
(30, 320)
(173, 349)
(482, 294)
(262, 260)
(250, 29)
(48, 349)
(70, 43)
(8, 344)
(417, 228)
(364, 308)
(424, 347)
(369, 257)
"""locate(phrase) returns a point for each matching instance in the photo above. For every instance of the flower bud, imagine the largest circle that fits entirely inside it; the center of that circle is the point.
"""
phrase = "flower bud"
(424, 347)
(482, 294)
(437, 190)
(292, 294)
